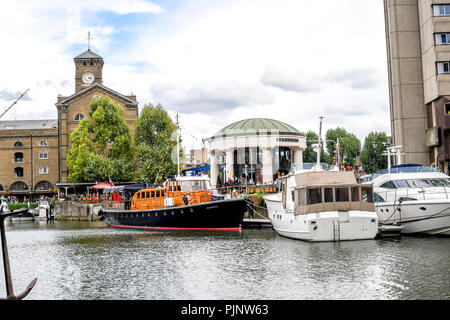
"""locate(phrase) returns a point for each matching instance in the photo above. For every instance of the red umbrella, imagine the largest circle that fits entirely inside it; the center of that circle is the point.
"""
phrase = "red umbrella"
(102, 185)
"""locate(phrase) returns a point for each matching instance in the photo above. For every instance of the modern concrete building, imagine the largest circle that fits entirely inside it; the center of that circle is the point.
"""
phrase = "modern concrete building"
(418, 52)
(256, 149)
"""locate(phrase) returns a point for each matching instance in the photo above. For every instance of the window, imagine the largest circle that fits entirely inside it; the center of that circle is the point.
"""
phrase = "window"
(186, 186)
(18, 172)
(43, 143)
(447, 108)
(78, 117)
(441, 9)
(328, 194)
(342, 195)
(195, 185)
(388, 185)
(18, 144)
(442, 38)
(43, 155)
(443, 67)
(401, 184)
(367, 195)
(43, 170)
(314, 196)
(18, 157)
(355, 193)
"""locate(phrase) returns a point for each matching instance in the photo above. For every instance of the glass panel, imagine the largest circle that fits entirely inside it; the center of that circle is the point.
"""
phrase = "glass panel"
(367, 194)
(441, 9)
(162, 193)
(447, 9)
(342, 194)
(186, 186)
(152, 194)
(147, 194)
(401, 184)
(302, 197)
(195, 185)
(328, 194)
(355, 193)
(445, 64)
(443, 38)
(314, 195)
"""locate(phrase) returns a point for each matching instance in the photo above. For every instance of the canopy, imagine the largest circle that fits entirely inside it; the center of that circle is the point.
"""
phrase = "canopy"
(199, 169)
(130, 187)
(101, 185)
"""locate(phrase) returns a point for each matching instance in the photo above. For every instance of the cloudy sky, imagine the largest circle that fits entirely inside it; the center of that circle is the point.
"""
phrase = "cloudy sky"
(213, 62)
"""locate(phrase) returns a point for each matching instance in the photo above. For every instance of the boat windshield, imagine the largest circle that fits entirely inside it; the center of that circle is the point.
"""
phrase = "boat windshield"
(308, 166)
(416, 183)
(402, 169)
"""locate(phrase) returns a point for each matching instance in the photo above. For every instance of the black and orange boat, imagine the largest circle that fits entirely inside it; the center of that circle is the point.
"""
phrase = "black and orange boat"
(182, 203)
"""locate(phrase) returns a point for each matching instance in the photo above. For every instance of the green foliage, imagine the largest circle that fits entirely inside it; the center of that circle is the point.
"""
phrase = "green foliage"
(155, 141)
(309, 155)
(372, 157)
(350, 145)
(22, 205)
(102, 146)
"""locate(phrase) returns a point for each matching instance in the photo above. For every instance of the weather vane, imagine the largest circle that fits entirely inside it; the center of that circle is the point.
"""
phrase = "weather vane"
(89, 40)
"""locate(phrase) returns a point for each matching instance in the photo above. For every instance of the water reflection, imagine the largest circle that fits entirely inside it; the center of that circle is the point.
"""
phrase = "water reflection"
(83, 260)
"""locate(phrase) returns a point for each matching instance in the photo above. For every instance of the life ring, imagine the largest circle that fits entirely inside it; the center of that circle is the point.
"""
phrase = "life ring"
(189, 196)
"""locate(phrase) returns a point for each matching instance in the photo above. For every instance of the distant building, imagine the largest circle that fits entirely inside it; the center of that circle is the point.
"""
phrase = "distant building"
(418, 51)
(258, 150)
(195, 158)
(34, 152)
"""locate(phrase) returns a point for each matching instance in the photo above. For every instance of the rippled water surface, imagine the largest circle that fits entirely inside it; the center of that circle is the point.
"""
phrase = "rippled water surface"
(85, 260)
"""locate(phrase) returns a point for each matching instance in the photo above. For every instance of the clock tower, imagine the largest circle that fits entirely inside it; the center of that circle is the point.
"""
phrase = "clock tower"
(88, 70)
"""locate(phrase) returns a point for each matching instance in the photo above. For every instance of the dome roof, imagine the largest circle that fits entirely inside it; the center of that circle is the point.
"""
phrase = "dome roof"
(256, 124)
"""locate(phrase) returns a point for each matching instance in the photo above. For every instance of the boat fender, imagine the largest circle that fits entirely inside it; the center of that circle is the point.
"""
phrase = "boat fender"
(100, 215)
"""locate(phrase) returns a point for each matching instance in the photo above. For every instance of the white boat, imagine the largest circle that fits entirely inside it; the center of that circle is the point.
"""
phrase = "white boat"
(415, 197)
(322, 205)
(42, 209)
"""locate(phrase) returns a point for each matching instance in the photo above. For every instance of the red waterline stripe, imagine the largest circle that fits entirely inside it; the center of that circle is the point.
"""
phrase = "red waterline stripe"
(171, 228)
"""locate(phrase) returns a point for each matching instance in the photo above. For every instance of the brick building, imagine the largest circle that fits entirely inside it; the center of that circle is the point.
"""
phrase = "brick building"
(34, 152)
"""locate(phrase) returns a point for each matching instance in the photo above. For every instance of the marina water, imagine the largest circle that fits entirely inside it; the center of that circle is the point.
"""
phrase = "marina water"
(87, 260)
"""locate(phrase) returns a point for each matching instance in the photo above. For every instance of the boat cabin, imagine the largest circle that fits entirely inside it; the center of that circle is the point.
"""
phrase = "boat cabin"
(328, 191)
(176, 192)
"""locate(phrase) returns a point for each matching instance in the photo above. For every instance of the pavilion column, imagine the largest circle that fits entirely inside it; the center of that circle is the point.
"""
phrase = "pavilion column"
(229, 163)
(267, 172)
(214, 171)
(298, 156)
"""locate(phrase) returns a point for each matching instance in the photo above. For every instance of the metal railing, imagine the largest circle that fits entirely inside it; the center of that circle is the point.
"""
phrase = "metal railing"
(234, 190)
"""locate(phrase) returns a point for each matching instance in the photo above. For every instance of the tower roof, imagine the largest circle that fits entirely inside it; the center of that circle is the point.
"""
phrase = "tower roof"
(88, 55)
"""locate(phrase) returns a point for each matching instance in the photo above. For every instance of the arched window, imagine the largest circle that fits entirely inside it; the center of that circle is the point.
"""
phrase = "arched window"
(78, 117)
(18, 157)
(18, 186)
(18, 144)
(18, 172)
(43, 186)
(43, 143)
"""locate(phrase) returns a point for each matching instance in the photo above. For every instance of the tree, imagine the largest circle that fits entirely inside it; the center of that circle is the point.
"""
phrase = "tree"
(372, 157)
(309, 155)
(102, 146)
(155, 143)
(349, 144)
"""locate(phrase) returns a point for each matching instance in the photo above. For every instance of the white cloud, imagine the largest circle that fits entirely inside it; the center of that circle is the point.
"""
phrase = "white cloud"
(284, 59)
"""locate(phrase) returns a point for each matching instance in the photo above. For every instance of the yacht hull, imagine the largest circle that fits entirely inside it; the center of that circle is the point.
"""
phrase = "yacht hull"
(221, 215)
(322, 226)
(422, 217)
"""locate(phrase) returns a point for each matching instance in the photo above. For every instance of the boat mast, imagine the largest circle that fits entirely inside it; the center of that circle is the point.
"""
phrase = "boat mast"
(319, 148)
(178, 148)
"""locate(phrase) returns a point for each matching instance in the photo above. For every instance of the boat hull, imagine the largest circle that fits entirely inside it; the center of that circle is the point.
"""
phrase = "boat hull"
(423, 217)
(223, 215)
(323, 226)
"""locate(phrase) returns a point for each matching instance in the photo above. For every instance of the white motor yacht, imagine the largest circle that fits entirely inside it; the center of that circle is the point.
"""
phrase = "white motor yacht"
(413, 196)
(322, 205)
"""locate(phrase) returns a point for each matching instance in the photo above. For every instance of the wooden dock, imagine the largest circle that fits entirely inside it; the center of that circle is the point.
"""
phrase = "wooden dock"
(256, 223)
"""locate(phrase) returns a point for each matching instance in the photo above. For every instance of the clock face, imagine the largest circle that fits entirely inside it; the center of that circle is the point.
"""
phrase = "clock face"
(88, 77)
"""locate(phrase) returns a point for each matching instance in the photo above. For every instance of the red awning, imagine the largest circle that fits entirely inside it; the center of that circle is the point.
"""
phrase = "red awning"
(102, 185)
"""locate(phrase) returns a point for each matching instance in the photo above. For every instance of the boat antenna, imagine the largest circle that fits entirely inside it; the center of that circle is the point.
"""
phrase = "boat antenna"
(20, 97)
(319, 147)
(178, 147)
